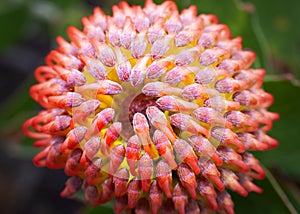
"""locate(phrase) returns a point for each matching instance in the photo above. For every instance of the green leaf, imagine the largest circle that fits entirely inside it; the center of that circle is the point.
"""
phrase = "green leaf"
(285, 130)
(272, 200)
(12, 22)
(278, 24)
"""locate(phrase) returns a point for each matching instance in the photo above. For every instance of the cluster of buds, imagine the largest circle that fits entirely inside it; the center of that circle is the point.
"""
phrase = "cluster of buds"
(154, 109)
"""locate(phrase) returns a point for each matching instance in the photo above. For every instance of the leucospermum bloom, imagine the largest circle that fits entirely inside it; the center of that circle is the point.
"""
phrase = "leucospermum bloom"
(154, 109)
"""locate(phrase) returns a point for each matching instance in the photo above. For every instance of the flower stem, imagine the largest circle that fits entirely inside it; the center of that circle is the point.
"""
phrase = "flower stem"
(280, 191)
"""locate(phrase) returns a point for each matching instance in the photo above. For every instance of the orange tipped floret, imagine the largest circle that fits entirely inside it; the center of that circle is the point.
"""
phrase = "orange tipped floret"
(93, 173)
(211, 173)
(187, 123)
(153, 108)
(132, 154)
(73, 138)
(164, 177)
(159, 121)
(230, 180)
(179, 198)
(73, 166)
(158, 68)
(207, 191)
(91, 195)
(186, 154)
(225, 202)
(111, 135)
(141, 128)
(117, 155)
(133, 192)
(187, 178)
(173, 103)
(145, 167)
(100, 120)
(204, 148)
(155, 197)
(91, 147)
(120, 204)
(120, 181)
(73, 184)
(164, 148)
(107, 192)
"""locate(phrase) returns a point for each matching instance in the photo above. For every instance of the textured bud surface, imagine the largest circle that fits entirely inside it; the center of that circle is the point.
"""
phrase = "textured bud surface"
(153, 108)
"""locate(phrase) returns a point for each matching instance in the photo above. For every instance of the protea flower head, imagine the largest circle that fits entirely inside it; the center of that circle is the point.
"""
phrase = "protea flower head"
(155, 109)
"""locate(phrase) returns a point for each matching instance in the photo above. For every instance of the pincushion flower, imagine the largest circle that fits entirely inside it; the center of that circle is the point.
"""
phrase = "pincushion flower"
(155, 109)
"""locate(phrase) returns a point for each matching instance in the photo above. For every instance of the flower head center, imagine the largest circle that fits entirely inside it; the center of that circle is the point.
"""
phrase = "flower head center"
(139, 104)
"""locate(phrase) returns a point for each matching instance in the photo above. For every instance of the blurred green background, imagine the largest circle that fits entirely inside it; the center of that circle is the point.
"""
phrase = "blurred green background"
(28, 30)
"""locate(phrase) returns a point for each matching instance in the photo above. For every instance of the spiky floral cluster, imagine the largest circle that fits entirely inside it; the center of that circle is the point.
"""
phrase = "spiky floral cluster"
(153, 108)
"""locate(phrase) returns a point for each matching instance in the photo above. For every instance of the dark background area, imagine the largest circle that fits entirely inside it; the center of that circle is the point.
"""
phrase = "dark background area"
(28, 31)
